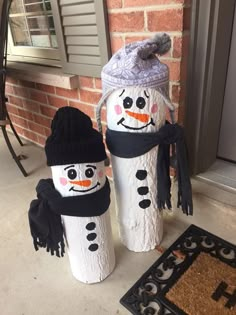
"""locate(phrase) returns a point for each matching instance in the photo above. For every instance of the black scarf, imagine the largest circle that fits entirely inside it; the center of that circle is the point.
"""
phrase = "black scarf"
(45, 213)
(130, 145)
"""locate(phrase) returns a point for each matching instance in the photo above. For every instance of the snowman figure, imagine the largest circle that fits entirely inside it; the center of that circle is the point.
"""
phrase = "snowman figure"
(78, 196)
(135, 89)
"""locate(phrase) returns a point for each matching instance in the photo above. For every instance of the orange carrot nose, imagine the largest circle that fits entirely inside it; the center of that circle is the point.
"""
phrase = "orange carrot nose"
(140, 117)
(84, 183)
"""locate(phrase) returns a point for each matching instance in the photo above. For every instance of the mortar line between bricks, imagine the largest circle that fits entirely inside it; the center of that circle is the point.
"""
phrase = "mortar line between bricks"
(34, 132)
(51, 107)
(94, 83)
(26, 98)
(63, 97)
(157, 7)
(145, 21)
(37, 134)
(27, 121)
(170, 59)
(24, 127)
(163, 8)
(148, 33)
(31, 141)
(172, 48)
(123, 39)
(184, 33)
(91, 89)
(31, 111)
(85, 103)
(31, 89)
(170, 89)
(23, 108)
(31, 121)
(43, 116)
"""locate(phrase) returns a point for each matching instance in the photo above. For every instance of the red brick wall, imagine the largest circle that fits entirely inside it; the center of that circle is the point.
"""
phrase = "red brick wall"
(32, 105)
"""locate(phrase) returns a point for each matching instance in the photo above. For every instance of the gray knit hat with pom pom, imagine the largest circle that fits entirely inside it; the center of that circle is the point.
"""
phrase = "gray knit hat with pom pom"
(137, 65)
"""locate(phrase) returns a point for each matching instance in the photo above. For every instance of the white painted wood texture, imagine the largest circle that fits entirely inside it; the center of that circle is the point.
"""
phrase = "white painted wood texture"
(86, 265)
(141, 229)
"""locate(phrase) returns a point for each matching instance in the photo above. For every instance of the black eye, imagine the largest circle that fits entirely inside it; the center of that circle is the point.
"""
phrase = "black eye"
(89, 172)
(72, 174)
(127, 102)
(140, 102)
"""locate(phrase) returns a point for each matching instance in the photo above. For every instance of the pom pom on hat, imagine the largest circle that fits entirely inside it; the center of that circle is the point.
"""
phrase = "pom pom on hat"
(162, 42)
(73, 139)
(137, 65)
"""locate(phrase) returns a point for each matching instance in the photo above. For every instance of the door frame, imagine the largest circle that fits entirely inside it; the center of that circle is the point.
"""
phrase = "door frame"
(210, 38)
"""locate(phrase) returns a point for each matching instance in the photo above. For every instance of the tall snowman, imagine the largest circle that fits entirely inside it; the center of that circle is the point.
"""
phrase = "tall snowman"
(135, 90)
(75, 202)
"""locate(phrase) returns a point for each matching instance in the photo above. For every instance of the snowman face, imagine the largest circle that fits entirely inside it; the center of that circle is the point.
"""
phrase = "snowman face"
(78, 179)
(135, 109)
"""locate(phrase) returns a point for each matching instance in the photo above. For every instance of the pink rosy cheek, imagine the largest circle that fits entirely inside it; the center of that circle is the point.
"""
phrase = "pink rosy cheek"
(100, 174)
(118, 109)
(63, 181)
(154, 108)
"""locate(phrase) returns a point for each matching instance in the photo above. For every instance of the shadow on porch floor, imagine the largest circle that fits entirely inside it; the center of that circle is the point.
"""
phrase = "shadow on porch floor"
(36, 283)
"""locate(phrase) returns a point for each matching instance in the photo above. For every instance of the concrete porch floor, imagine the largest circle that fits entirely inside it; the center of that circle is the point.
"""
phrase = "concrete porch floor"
(34, 283)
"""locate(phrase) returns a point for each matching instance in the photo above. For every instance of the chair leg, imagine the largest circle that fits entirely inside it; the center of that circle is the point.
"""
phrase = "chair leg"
(14, 130)
(12, 151)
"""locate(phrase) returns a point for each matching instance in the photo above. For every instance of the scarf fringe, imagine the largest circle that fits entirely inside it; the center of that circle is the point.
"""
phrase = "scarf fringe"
(59, 250)
(163, 203)
(185, 202)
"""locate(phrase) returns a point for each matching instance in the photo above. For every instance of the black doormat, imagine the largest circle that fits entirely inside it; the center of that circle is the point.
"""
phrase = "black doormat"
(157, 291)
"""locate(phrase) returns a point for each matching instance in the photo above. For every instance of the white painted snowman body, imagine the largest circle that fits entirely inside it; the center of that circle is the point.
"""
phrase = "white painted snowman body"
(137, 109)
(89, 239)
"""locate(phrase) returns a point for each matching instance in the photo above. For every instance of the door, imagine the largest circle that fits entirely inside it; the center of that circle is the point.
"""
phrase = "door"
(227, 139)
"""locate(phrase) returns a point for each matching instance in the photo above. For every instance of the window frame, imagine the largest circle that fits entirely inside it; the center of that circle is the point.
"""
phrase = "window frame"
(81, 66)
(72, 60)
(38, 55)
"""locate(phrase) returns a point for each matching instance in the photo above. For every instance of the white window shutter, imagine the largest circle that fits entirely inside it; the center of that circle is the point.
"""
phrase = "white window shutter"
(82, 35)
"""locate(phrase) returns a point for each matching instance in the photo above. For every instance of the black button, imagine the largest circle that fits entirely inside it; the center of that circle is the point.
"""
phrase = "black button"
(91, 236)
(143, 190)
(141, 174)
(90, 226)
(93, 247)
(145, 203)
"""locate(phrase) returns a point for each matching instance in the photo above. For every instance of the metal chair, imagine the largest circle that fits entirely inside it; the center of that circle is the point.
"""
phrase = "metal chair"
(4, 116)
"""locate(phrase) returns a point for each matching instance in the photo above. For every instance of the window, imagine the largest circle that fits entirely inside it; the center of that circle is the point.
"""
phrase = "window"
(72, 31)
(32, 31)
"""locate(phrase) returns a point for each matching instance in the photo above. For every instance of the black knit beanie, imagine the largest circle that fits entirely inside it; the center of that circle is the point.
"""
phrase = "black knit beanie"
(73, 139)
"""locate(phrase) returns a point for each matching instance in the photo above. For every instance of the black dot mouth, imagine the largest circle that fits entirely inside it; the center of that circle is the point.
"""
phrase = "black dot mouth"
(120, 122)
(77, 190)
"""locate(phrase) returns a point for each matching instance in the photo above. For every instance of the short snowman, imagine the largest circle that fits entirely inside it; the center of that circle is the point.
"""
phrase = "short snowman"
(135, 90)
(79, 193)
